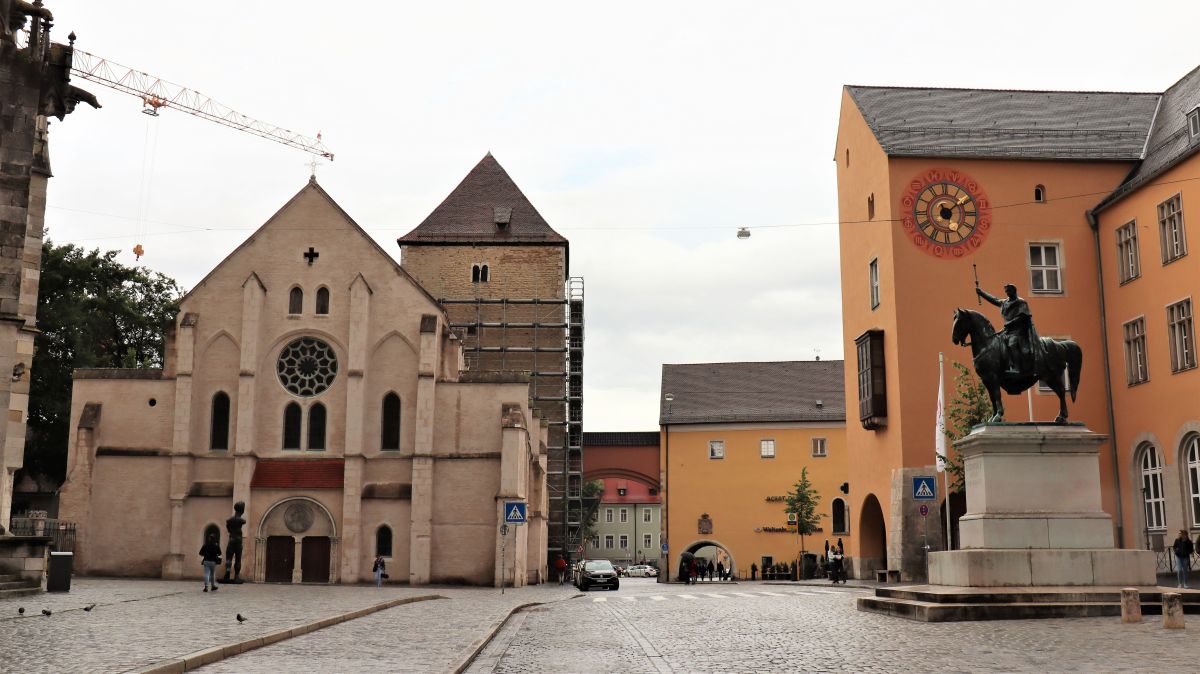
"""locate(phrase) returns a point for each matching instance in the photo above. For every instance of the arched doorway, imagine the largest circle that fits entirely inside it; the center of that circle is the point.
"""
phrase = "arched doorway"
(297, 543)
(705, 549)
(872, 538)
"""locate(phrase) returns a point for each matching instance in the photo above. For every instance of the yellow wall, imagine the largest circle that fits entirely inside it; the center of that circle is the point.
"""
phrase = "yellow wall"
(733, 490)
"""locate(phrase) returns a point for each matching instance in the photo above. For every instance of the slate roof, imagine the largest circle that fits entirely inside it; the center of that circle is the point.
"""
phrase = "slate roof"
(469, 214)
(753, 392)
(1169, 142)
(620, 439)
(299, 474)
(992, 123)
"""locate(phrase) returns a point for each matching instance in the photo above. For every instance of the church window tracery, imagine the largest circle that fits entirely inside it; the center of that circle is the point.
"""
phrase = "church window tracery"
(390, 423)
(316, 427)
(322, 301)
(307, 367)
(219, 433)
(291, 426)
(296, 301)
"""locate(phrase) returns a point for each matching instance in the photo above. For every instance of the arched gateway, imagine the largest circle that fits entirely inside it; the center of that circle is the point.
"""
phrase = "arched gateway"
(296, 543)
(704, 549)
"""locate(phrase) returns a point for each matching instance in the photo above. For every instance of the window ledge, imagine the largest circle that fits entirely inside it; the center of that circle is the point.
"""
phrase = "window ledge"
(1181, 370)
(1138, 383)
(1052, 293)
(1175, 259)
(1129, 280)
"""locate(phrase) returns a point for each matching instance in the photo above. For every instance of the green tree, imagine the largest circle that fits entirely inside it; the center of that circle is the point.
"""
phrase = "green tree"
(92, 311)
(968, 407)
(803, 501)
(593, 491)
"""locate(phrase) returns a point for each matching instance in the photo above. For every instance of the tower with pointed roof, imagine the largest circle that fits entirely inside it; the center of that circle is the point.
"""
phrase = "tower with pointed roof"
(503, 276)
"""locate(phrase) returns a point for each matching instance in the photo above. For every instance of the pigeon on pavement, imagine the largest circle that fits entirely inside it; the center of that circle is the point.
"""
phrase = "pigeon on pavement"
(21, 610)
(45, 611)
(241, 618)
(89, 607)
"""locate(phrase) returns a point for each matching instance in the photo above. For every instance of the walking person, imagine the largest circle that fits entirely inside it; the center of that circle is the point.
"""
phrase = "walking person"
(560, 565)
(379, 569)
(1183, 557)
(711, 570)
(720, 570)
(210, 557)
(753, 571)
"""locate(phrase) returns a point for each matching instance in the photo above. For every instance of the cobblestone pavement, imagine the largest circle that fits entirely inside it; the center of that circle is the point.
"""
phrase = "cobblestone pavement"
(753, 627)
(137, 623)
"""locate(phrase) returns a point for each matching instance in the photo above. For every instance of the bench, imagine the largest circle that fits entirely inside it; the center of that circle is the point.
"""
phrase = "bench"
(887, 575)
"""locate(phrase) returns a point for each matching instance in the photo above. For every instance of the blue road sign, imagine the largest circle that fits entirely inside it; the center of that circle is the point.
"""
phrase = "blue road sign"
(665, 548)
(924, 488)
(514, 512)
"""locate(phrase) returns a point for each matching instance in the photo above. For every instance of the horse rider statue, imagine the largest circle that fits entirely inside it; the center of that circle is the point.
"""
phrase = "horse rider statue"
(1021, 338)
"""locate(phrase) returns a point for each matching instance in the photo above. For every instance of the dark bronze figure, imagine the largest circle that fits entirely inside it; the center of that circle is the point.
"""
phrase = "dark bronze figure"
(1016, 358)
(233, 548)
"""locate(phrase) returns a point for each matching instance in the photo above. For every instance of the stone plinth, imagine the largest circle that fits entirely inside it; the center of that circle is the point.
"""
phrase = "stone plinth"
(24, 556)
(1034, 515)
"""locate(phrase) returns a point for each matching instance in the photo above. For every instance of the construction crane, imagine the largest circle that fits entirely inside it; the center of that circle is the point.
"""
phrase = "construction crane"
(157, 93)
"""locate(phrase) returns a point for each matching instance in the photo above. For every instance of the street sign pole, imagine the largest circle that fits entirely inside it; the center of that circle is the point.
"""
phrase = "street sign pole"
(503, 557)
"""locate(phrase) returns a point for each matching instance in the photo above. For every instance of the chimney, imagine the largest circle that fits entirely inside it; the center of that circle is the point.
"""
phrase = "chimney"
(502, 215)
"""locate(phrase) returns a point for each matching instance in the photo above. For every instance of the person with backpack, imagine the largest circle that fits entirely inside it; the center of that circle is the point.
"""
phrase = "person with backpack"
(1183, 549)
(210, 558)
(560, 565)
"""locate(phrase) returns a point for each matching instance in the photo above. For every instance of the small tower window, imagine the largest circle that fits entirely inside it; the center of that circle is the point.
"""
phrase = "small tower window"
(483, 274)
(219, 433)
(847, 157)
(291, 426)
(316, 427)
(323, 300)
(296, 301)
(1039, 194)
(383, 541)
(390, 423)
(474, 273)
(1194, 123)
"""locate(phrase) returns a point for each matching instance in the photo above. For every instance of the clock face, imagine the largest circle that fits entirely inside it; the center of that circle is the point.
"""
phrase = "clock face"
(945, 212)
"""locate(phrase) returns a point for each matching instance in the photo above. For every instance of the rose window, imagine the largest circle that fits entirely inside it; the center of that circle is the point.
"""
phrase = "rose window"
(306, 367)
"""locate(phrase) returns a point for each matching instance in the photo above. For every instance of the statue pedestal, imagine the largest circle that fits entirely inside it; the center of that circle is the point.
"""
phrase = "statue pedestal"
(1034, 514)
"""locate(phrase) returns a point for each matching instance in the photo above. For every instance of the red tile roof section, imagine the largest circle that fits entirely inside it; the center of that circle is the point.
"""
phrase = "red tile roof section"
(299, 474)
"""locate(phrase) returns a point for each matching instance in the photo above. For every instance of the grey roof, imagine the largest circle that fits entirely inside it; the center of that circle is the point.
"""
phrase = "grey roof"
(1169, 141)
(470, 213)
(753, 392)
(620, 438)
(991, 123)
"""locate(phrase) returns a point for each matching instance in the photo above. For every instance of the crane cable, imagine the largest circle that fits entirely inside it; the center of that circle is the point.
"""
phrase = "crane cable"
(145, 187)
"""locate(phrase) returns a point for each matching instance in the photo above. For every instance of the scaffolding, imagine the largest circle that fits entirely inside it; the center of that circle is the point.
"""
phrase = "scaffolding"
(542, 337)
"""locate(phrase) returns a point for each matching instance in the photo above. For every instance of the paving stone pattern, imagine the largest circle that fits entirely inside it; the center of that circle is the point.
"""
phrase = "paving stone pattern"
(784, 629)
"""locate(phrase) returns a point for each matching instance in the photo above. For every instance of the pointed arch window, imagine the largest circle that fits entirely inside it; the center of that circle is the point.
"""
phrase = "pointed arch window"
(291, 426)
(316, 427)
(389, 423)
(322, 301)
(218, 437)
(1152, 489)
(383, 541)
(296, 301)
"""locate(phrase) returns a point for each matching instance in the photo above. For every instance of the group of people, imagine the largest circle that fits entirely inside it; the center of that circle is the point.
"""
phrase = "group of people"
(693, 570)
(835, 556)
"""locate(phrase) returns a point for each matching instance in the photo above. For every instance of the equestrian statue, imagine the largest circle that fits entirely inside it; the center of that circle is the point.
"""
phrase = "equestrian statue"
(1016, 358)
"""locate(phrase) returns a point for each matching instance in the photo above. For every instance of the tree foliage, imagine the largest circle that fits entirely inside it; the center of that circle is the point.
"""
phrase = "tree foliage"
(968, 407)
(803, 501)
(92, 311)
(593, 491)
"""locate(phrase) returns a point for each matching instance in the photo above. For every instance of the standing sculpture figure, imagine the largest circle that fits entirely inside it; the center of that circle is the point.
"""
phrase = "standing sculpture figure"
(1019, 334)
(233, 549)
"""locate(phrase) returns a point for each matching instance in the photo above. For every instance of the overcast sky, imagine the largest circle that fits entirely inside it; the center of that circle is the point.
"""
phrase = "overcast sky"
(645, 132)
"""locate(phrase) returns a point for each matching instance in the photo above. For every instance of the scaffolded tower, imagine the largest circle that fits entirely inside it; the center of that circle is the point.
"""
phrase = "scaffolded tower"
(501, 272)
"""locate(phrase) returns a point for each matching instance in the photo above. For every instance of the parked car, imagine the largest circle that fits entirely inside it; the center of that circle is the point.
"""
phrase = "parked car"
(641, 571)
(597, 573)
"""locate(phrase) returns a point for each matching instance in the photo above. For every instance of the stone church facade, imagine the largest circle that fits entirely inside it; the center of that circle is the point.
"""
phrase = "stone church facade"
(312, 378)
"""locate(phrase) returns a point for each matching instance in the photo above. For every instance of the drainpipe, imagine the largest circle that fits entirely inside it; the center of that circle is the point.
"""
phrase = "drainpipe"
(1112, 420)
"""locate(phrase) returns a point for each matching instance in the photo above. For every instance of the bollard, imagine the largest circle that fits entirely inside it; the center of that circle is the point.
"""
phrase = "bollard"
(1131, 605)
(1172, 610)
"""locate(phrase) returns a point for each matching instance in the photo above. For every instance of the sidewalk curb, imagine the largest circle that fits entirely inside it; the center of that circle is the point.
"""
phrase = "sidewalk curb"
(478, 645)
(197, 659)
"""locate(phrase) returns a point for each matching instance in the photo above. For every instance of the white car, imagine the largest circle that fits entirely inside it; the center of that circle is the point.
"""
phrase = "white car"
(641, 571)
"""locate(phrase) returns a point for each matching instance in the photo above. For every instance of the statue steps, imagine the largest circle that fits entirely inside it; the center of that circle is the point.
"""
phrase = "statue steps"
(939, 603)
(13, 585)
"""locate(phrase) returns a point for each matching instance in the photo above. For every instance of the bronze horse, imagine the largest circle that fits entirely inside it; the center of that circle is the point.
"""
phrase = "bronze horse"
(991, 359)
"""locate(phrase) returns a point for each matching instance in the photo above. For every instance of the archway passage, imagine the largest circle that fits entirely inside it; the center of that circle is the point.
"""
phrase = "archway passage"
(703, 552)
(872, 538)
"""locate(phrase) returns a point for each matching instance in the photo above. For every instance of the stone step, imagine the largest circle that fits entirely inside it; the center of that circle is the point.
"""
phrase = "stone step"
(925, 611)
(19, 592)
(1000, 595)
(17, 584)
(9, 577)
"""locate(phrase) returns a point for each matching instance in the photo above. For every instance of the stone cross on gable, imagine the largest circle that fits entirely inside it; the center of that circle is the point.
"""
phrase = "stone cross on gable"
(311, 255)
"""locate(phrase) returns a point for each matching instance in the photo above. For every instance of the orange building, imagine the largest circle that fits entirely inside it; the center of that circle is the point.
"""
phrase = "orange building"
(1029, 188)
(735, 438)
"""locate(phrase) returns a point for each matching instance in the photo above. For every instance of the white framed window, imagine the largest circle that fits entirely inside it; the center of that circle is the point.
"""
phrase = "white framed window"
(646, 516)
(818, 447)
(624, 542)
(647, 540)
(1129, 258)
(608, 542)
(766, 448)
(1136, 371)
(1182, 336)
(716, 449)
(874, 276)
(1170, 229)
(596, 541)
(1045, 268)
(1152, 489)
(1194, 123)
(624, 515)
(608, 515)
(1191, 452)
(1039, 194)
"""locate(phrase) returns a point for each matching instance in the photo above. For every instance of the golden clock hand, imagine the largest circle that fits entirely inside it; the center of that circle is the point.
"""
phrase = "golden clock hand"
(953, 226)
(963, 199)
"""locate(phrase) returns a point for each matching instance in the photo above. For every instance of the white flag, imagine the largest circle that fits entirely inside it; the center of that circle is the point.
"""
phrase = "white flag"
(939, 434)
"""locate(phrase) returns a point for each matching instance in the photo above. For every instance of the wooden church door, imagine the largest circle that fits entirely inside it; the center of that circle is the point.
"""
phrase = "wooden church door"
(314, 559)
(281, 559)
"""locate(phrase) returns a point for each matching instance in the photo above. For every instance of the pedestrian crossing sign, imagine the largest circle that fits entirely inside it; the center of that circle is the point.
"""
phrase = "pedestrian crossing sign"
(924, 488)
(514, 512)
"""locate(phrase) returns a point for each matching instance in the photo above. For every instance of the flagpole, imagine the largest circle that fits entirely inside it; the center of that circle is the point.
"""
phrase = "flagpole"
(942, 443)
